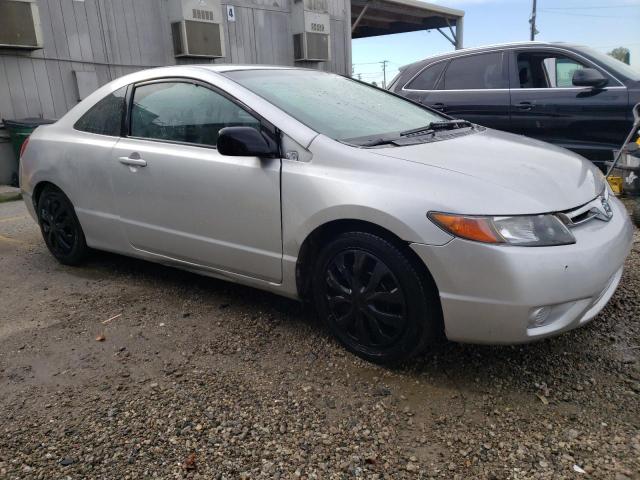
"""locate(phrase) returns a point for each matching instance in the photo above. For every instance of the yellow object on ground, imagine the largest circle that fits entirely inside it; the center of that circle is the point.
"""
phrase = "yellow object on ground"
(616, 184)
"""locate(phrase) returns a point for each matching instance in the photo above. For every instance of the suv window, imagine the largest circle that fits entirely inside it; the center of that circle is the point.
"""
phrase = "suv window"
(482, 71)
(427, 79)
(105, 117)
(546, 70)
(184, 112)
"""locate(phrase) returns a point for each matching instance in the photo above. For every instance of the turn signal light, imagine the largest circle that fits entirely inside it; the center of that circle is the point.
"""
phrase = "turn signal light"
(472, 228)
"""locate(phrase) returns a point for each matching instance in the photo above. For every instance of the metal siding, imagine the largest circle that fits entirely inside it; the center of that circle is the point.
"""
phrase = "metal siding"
(116, 37)
(16, 90)
(6, 108)
(96, 38)
(45, 106)
(57, 25)
(132, 31)
(57, 88)
(71, 29)
(82, 25)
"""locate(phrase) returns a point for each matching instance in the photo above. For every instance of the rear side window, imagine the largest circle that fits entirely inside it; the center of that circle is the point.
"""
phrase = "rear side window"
(482, 71)
(105, 117)
(428, 78)
(184, 112)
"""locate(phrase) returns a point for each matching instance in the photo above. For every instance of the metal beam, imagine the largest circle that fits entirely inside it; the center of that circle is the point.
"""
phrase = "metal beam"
(453, 42)
(355, 24)
(459, 33)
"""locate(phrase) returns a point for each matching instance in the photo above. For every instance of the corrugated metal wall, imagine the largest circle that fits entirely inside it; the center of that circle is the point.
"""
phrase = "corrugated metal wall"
(116, 37)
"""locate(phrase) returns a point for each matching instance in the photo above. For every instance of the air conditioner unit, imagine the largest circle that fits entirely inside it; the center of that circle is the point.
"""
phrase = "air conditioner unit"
(311, 30)
(20, 25)
(196, 27)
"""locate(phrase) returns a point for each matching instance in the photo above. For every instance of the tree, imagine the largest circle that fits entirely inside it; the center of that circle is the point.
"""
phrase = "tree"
(620, 53)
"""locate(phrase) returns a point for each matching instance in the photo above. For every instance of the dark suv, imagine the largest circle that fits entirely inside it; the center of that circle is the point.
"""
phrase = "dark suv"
(565, 94)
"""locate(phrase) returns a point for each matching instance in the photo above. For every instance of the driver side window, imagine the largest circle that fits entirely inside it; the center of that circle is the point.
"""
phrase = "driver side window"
(546, 70)
(184, 112)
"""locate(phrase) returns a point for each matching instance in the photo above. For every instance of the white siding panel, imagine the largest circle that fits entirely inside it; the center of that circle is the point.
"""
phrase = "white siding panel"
(71, 29)
(16, 89)
(43, 86)
(6, 108)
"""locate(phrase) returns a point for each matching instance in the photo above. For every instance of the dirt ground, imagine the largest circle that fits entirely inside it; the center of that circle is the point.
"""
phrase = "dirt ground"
(198, 378)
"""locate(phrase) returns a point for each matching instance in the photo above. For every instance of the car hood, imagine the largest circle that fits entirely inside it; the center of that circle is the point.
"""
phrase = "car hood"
(528, 175)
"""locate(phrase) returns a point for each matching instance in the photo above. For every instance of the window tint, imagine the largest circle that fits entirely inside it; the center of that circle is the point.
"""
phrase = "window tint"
(475, 71)
(427, 79)
(105, 117)
(184, 112)
(546, 70)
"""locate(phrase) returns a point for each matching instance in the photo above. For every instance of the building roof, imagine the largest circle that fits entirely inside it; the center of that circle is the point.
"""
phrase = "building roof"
(382, 17)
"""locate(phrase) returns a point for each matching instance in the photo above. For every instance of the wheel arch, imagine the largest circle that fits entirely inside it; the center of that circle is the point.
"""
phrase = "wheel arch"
(329, 230)
(39, 187)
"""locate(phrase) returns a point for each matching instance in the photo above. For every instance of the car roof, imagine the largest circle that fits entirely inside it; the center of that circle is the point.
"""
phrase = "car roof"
(496, 46)
(228, 67)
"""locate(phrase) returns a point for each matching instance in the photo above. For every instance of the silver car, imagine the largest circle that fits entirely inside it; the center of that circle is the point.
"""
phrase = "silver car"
(398, 223)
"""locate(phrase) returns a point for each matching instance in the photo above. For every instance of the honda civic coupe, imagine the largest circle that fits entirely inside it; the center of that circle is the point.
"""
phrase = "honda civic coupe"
(398, 223)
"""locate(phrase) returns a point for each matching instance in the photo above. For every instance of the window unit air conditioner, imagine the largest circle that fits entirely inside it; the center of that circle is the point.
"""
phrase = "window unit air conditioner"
(196, 28)
(311, 30)
(20, 25)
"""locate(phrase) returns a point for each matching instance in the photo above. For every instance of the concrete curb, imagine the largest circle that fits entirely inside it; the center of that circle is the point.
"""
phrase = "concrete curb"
(9, 194)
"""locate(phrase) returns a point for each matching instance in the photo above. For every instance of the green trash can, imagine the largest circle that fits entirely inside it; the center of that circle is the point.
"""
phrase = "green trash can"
(19, 130)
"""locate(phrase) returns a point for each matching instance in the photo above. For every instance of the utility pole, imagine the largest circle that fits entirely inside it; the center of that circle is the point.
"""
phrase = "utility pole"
(384, 73)
(532, 21)
(359, 76)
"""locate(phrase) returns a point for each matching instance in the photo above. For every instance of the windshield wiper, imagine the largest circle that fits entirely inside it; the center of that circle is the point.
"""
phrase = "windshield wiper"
(376, 141)
(433, 126)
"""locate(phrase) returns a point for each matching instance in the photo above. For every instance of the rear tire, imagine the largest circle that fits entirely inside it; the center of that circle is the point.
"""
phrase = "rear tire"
(60, 227)
(373, 300)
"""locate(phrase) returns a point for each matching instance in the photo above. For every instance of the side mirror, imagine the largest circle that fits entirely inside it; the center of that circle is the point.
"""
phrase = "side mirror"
(589, 77)
(245, 142)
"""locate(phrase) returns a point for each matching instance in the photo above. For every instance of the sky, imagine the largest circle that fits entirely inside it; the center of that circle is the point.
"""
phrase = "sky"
(601, 24)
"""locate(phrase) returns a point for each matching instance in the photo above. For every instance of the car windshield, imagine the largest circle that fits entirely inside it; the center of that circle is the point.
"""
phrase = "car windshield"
(613, 63)
(336, 106)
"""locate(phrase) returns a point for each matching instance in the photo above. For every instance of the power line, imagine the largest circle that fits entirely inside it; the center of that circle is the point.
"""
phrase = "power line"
(593, 7)
(581, 14)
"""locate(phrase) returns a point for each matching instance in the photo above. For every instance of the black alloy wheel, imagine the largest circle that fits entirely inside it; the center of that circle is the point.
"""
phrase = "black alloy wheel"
(60, 227)
(373, 299)
(365, 299)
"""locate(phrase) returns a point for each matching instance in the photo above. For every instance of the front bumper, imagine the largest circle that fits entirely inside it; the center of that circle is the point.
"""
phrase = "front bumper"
(489, 293)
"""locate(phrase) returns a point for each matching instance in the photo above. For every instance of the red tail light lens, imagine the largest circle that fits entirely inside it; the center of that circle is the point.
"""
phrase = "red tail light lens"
(24, 146)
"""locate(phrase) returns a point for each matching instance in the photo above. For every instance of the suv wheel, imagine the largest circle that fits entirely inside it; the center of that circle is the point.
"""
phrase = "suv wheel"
(372, 299)
(60, 227)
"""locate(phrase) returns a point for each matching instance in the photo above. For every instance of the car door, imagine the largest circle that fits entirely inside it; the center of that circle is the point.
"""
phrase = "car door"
(179, 198)
(473, 87)
(546, 105)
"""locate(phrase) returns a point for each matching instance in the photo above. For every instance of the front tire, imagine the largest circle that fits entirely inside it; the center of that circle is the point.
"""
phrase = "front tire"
(372, 298)
(60, 227)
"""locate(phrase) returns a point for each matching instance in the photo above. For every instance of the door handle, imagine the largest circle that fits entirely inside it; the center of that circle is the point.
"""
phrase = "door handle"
(524, 106)
(133, 161)
(438, 106)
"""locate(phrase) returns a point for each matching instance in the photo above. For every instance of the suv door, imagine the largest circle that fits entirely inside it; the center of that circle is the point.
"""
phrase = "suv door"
(180, 199)
(474, 87)
(546, 105)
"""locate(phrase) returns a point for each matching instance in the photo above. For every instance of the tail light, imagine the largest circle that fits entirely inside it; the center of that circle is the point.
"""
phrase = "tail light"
(24, 146)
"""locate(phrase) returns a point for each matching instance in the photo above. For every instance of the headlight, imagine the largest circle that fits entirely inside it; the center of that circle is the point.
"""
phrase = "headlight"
(524, 230)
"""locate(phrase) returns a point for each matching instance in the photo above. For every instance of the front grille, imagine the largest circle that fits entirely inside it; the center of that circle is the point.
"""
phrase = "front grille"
(598, 208)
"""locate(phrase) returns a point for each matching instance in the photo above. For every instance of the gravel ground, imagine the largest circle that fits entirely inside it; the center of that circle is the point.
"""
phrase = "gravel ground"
(124, 369)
